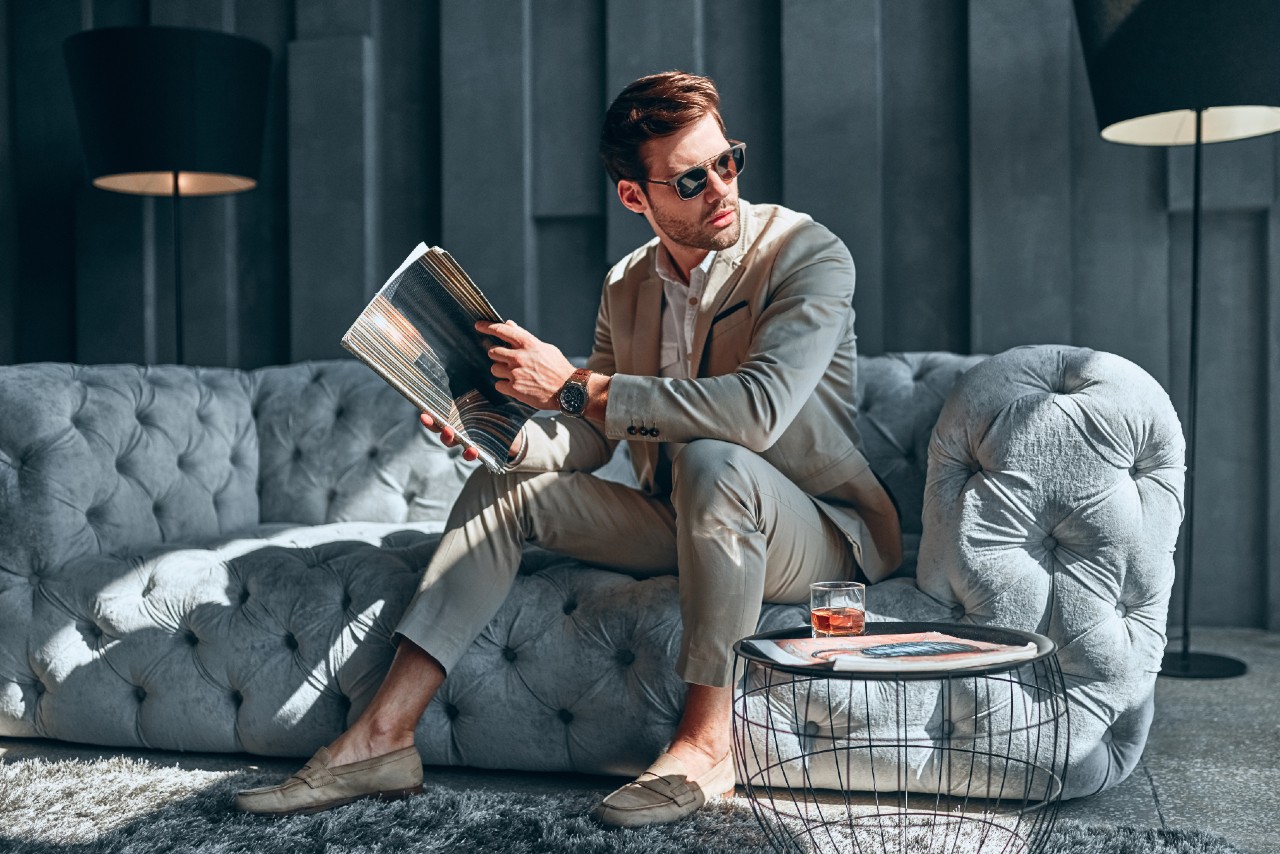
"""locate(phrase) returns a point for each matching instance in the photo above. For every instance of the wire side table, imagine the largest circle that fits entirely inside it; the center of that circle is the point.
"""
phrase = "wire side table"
(945, 761)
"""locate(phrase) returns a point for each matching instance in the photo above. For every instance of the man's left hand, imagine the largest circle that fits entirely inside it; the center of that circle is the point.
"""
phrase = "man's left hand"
(528, 369)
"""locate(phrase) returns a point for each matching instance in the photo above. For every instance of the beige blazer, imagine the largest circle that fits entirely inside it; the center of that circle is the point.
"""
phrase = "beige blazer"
(775, 367)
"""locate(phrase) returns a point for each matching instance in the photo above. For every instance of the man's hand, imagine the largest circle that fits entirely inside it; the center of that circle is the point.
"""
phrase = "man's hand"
(447, 436)
(530, 370)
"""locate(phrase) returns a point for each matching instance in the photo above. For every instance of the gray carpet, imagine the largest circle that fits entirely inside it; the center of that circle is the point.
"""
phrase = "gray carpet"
(132, 806)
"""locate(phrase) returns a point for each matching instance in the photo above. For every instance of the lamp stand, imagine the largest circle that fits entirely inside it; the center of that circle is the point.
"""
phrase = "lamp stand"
(177, 273)
(1187, 664)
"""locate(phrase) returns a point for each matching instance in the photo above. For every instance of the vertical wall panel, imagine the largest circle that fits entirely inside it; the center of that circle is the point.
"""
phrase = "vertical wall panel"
(486, 173)
(263, 212)
(744, 57)
(640, 39)
(49, 170)
(832, 166)
(332, 209)
(1272, 392)
(8, 210)
(1020, 162)
(1231, 487)
(926, 176)
(567, 68)
(409, 138)
(114, 299)
(568, 91)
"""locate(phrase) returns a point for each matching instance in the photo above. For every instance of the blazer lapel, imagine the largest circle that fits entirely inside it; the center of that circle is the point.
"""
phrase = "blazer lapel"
(646, 331)
(720, 281)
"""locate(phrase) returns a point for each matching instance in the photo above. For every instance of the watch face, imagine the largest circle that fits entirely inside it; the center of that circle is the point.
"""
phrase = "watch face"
(573, 399)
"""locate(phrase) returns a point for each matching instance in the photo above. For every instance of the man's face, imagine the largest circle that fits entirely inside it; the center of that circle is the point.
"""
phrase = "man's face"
(708, 222)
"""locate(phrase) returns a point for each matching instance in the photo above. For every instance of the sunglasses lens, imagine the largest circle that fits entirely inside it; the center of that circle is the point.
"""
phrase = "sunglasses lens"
(690, 184)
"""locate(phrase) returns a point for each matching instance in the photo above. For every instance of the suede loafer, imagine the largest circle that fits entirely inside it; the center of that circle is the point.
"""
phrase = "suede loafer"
(664, 793)
(321, 786)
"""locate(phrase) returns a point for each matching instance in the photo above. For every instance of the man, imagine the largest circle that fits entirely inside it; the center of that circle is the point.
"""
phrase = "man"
(725, 356)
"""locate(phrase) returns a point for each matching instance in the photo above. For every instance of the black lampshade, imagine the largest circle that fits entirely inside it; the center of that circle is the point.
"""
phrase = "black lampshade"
(1153, 63)
(155, 101)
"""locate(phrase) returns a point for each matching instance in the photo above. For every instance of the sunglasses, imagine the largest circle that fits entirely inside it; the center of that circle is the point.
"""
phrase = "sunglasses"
(690, 183)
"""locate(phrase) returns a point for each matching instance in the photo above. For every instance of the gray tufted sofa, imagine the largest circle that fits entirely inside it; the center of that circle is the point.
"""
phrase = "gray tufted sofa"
(215, 560)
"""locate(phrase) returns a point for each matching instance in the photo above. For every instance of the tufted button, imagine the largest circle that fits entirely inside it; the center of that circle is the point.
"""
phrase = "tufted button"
(570, 607)
(565, 715)
(39, 688)
(947, 728)
(957, 612)
(338, 413)
(333, 494)
(1107, 736)
(450, 711)
(291, 642)
(410, 497)
(625, 657)
(297, 454)
(244, 596)
(811, 728)
(346, 601)
(317, 376)
(1122, 610)
(509, 654)
(237, 698)
(1049, 543)
(975, 467)
(1134, 471)
(190, 637)
(140, 693)
(865, 406)
(373, 452)
(156, 508)
(910, 458)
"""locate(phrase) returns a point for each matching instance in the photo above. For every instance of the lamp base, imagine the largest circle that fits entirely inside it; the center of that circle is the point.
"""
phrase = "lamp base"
(1201, 665)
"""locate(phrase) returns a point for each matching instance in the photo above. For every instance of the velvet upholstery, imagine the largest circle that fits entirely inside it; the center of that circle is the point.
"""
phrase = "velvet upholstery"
(215, 560)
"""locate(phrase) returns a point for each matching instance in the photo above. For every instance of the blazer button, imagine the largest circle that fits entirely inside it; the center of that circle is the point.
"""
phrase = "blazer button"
(643, 431)
(631, 430)
(653, 431)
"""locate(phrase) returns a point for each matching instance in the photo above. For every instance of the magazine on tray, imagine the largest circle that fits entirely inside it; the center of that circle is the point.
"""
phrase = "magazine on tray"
(418, 333)
(891, 653)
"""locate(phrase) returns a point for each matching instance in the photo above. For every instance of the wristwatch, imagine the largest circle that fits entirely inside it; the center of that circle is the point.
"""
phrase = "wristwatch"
(573, 394)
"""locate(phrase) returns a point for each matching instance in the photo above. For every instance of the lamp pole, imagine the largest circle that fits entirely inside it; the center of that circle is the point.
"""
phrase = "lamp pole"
(177, 273)
(1185, 663)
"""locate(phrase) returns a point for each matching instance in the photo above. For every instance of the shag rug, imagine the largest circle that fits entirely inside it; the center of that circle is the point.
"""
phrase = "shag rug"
(132, 806)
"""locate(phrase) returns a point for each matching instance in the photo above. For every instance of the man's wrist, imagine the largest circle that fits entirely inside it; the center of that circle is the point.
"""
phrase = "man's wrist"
(597, 397)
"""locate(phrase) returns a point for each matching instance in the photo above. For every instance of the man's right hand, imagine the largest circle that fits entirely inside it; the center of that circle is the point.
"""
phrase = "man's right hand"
(448, 436)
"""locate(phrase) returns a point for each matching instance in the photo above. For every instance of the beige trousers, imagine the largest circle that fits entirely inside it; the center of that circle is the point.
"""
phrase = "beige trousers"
(739, 532)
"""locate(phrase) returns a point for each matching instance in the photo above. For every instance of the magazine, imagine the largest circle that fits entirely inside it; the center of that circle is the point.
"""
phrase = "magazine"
(418, 333)
(891, 653)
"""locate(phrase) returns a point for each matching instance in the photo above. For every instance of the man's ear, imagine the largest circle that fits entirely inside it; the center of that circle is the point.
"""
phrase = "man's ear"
(632, 197)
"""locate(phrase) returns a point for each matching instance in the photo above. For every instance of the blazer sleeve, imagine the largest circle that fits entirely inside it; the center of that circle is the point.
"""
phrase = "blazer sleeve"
(808, 309)
(557, 442)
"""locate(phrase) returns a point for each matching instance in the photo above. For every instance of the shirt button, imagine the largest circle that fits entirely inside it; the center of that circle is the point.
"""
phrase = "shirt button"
(693, 300)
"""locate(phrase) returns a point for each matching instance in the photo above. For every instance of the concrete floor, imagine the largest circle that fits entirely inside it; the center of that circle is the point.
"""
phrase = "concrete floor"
(1213, 756)
(1212, 760)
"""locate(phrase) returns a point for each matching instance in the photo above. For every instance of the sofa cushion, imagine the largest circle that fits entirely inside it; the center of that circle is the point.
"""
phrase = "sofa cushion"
(338, 444)
(103, 459)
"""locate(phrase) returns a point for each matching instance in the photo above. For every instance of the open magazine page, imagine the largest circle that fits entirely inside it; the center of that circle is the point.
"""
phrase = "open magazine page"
(891, 653)
(418, 333)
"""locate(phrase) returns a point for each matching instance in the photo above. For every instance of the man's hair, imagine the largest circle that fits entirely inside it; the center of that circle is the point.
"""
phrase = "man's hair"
(651, 107)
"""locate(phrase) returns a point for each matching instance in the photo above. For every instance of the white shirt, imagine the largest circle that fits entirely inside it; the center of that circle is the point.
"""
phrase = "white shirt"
(679, 311)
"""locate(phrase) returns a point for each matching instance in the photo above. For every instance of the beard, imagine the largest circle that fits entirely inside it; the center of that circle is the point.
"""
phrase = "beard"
(699, 234)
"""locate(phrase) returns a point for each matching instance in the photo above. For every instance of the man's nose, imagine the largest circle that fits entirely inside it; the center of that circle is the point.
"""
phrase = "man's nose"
(717, 187)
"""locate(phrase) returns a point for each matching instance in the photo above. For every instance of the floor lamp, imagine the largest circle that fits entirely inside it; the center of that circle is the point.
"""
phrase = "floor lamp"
(168, 111)
(1184, 72)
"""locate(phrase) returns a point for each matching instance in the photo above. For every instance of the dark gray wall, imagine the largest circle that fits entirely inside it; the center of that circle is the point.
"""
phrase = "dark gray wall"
(950, 143)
